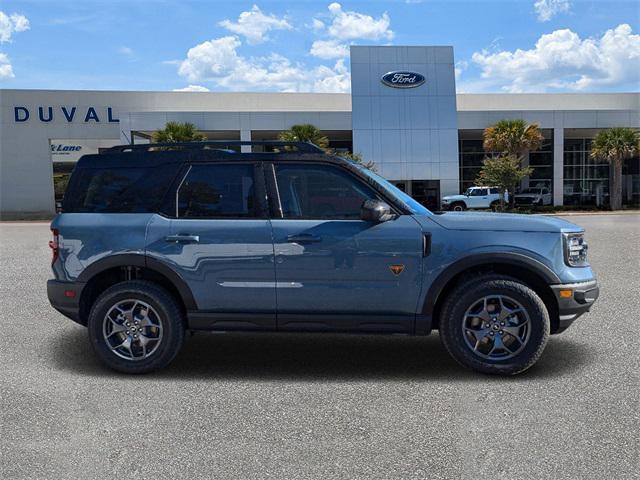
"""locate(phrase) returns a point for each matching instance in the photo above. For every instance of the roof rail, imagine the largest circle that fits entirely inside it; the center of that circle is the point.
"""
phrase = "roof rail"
(301, 147)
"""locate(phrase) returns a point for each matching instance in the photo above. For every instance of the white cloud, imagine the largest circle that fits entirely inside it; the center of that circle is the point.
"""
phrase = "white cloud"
(192, 88)
(346, 25)
(210, 59)
(125, 51)
(254, 25)
(547, 9)
(329, 49)
(317, 25)
(561, 60)
(218, 61)
(6, 70)
(10, 24)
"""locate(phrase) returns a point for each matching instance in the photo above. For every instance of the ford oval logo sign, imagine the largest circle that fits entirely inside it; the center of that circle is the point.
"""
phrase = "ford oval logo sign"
(403, 79)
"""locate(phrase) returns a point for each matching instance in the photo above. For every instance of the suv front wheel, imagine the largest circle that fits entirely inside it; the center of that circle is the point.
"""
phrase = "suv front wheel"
(136, 327)
(494, 325)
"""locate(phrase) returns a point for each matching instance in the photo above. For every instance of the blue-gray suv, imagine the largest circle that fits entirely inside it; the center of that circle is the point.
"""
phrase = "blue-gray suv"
(156, 240)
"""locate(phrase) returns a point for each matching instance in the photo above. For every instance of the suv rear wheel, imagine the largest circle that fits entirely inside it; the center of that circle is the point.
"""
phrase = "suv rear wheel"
(136, 327)
(494, 325)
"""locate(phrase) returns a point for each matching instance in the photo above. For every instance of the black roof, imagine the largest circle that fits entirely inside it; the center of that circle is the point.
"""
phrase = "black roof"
(153, 154)
(300, 147)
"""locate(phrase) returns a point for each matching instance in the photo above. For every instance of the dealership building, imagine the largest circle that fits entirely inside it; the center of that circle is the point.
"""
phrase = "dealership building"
(419, 132)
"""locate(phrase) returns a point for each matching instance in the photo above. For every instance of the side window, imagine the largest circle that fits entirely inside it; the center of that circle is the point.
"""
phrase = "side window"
(217, 191)
(494, 191)
(118, 190)
(545, 191)
(477, 192)
(320, 191)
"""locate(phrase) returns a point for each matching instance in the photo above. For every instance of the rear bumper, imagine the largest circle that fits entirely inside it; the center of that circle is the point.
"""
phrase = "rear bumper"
(65, 298)
(583, 296)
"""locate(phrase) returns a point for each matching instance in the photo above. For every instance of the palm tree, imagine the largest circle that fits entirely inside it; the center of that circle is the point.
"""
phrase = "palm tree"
(310, 133)
(614, 146)
(177, 132)
(512, 137)
(305, 133)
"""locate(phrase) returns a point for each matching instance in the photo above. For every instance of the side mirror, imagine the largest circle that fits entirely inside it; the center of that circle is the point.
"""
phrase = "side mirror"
(375, 211)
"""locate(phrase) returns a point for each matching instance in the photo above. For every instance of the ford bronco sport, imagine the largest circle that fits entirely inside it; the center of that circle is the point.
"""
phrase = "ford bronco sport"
(157, 240)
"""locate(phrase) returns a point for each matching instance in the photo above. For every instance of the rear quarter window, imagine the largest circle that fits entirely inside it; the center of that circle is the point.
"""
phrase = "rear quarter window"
(118, 190)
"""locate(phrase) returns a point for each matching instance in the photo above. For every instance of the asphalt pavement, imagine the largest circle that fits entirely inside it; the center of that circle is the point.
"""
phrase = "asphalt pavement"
(319, 406)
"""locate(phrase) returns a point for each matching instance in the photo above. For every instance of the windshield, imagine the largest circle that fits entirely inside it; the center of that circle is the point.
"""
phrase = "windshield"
(415, 207)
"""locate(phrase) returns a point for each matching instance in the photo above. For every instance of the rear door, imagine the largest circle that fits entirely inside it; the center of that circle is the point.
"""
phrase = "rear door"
(335, 271)
(220, 243)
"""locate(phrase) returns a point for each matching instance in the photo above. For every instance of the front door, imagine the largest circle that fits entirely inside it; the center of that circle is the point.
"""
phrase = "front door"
(333, 270)
(220, 243)
(478, 198)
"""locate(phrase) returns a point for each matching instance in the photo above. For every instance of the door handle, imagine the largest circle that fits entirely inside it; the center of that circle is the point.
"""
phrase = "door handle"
(183, 238)
(303, 238)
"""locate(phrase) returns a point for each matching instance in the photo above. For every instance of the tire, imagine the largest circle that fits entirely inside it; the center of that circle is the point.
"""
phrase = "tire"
(159, 320)
(458, 207)
(528, 330)
(495, 206)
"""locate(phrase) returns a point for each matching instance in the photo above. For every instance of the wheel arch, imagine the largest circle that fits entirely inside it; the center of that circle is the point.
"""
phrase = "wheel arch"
(111, 270)
(521, 267)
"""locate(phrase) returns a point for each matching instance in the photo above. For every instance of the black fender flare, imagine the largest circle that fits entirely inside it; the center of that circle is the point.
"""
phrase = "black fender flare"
(510, 258)
(144, 261)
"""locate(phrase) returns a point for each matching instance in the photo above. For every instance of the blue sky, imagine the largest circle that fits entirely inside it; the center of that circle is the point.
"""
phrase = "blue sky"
(500, 46)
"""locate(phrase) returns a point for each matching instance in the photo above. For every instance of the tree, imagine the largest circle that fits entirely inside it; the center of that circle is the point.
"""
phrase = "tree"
(311, 133)
(614, 146)
(504, 172)
(177, 132)
(357, 158)
(513, 138)
(305, 133)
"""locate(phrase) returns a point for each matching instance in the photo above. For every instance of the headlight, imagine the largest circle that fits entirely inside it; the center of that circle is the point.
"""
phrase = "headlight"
(575, 250)
(445, 200)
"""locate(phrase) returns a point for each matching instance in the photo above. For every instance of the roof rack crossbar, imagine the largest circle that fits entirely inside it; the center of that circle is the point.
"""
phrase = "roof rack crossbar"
(301, 147)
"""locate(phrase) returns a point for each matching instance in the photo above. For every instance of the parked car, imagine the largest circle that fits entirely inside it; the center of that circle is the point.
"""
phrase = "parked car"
(474, 198)
(533, 196)
(157, 240)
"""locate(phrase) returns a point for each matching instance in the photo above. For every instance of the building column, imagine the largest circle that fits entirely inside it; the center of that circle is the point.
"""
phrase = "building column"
(558, 166)
(245, 136)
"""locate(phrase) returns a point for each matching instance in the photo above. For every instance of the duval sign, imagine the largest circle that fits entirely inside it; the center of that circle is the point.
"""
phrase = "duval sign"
(403, 79)
(66, 113)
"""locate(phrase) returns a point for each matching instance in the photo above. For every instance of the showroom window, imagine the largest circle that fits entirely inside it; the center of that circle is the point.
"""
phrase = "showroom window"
(586, 181)
(542, 163)
(472, 155)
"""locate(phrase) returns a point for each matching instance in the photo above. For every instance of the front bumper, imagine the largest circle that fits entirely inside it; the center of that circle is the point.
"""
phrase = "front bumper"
(65, 297)
(583, 296)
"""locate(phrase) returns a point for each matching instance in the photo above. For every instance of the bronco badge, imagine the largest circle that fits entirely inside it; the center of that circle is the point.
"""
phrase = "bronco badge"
(396, 269)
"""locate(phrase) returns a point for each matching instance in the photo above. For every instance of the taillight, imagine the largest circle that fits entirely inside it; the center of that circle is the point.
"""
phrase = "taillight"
(54, 245)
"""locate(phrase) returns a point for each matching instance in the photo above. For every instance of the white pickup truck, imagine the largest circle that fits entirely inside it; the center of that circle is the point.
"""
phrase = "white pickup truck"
(474, 197)
(534, 196)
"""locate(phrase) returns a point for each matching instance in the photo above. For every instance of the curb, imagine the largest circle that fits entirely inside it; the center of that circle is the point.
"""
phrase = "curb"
(570, 214)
